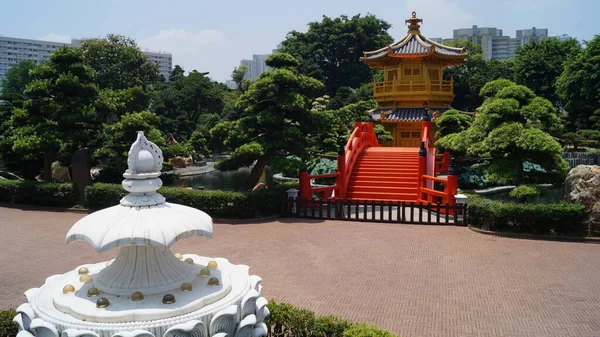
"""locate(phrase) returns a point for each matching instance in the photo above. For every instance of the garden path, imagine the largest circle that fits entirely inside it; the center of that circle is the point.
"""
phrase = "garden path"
(413, 280)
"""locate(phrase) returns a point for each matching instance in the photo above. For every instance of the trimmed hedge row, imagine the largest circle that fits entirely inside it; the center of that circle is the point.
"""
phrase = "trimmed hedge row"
(219, 204)
(285, 321)
(560, 218)
(35, 193)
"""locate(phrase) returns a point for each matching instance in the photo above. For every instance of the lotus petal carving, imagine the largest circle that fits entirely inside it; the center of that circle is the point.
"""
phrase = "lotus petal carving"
(31, 293)
(42, 328)
(262, 311)
(192, 328)
(78, 333)
(261, 330)
(225, 321)
(248, 304)
(27, 315)
(246, 327)
(255, 283)
(220, 334)
(134, 333)
(24, 333)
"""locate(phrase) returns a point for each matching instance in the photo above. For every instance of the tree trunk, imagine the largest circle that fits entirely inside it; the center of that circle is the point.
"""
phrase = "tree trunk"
(520, 172)
(47, 167)
(257, 171)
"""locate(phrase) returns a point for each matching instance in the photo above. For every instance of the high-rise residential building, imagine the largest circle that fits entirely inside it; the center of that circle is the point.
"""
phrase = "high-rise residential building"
(494, 44)
(255, 67)
(14, 50)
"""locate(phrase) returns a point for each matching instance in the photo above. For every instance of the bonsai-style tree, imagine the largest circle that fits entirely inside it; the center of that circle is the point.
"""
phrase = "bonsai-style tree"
(452, 121)
(58, 115)
(512, 127)
(276, 117)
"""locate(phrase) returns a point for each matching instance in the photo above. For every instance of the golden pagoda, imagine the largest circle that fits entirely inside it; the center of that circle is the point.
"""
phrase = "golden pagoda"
(413, 89)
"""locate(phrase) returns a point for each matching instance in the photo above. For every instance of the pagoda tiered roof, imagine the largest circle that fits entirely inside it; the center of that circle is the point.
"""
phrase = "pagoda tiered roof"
(414, 45)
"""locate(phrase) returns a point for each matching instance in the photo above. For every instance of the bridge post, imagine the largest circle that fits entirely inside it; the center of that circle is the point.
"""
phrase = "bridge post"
(452, 182)
(422, 169)
(304, 182)
(341, 178)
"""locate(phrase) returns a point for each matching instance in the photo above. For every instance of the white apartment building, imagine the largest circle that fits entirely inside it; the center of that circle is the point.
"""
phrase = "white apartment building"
(494, 44)
(256, 66)
(14, 50)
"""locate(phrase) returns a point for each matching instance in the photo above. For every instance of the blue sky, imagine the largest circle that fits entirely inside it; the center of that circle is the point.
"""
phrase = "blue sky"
(213, 35)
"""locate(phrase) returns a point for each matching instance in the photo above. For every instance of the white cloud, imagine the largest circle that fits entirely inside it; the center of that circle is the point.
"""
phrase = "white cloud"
(56, 38)
(202, 50)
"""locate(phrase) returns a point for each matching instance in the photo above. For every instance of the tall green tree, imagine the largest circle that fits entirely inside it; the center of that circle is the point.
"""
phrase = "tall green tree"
(119, 63)
(58, 115)
(330, 50)
(238, 77)
(539, 64)
(513, 127)
(473, 74)
(276, 117)
(452, 121)
(17, 78)
(579, 85)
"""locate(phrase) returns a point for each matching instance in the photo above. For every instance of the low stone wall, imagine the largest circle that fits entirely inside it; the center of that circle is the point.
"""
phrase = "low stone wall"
(581, 158)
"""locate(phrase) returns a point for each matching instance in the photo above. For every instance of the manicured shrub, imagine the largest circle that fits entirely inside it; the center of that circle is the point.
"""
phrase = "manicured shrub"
(8, 328)
(287, 320)
(525, 193)
(559, 218)
(363, 330)
(219, 204)
(37, 193)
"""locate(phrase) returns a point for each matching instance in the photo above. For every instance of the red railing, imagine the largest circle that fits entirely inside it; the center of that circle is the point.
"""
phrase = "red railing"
(442, 163)
(429, 167)
(362, 137)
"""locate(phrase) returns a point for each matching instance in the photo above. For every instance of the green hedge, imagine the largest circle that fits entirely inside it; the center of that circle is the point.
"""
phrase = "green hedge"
(8, 328)
(559, 218)
(219, 204)
(35, 193)
(289, 321)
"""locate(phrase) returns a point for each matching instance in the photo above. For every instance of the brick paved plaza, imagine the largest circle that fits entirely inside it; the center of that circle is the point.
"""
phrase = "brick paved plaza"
(413, 280)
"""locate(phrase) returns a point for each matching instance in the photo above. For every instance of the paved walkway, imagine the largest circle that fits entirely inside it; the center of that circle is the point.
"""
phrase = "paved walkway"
(413, 280)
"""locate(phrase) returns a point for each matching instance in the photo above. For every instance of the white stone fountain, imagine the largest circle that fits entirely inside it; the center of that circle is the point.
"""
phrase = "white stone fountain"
(146, 291)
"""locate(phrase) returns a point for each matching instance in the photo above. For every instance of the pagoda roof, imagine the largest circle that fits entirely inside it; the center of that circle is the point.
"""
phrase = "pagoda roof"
(414, 45)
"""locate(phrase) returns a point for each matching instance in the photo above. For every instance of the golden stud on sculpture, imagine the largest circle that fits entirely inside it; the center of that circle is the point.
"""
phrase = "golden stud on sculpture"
(186, 287)
(85, 278)
(213, 281)
(92, 292)
(179, 256)
(83, 270)
(102, 302)
(137, 296)
(68, 289)
(204, 272)
(189, 260)
(213, 264)
(168, 299)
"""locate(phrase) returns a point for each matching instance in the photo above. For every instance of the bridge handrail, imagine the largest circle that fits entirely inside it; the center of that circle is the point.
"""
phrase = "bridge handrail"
(362, 137)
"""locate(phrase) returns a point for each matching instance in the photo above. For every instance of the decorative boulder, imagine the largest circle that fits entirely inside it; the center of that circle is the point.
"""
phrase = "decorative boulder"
(583, 187)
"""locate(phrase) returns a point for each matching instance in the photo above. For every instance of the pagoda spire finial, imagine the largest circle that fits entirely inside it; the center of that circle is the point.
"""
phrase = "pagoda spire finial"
(413, 27)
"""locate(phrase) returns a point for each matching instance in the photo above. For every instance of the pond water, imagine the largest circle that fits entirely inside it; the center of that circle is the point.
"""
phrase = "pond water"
(226, 181)
(552, 195)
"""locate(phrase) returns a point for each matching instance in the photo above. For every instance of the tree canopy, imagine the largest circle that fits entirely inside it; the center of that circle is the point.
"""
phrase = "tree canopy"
(330, 50)
(539, 64)
(473, 74)
(579, 86)
(17, 78)
(275, 116)
(512, 127)
(58, 115)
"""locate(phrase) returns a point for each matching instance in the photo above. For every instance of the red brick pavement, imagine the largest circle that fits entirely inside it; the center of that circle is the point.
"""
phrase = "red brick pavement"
(413, 280)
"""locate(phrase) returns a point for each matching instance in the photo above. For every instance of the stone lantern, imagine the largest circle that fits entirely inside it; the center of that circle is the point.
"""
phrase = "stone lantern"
(146, 290)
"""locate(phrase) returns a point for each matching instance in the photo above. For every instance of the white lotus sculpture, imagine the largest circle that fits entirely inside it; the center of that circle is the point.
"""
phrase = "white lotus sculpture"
(146, 291)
